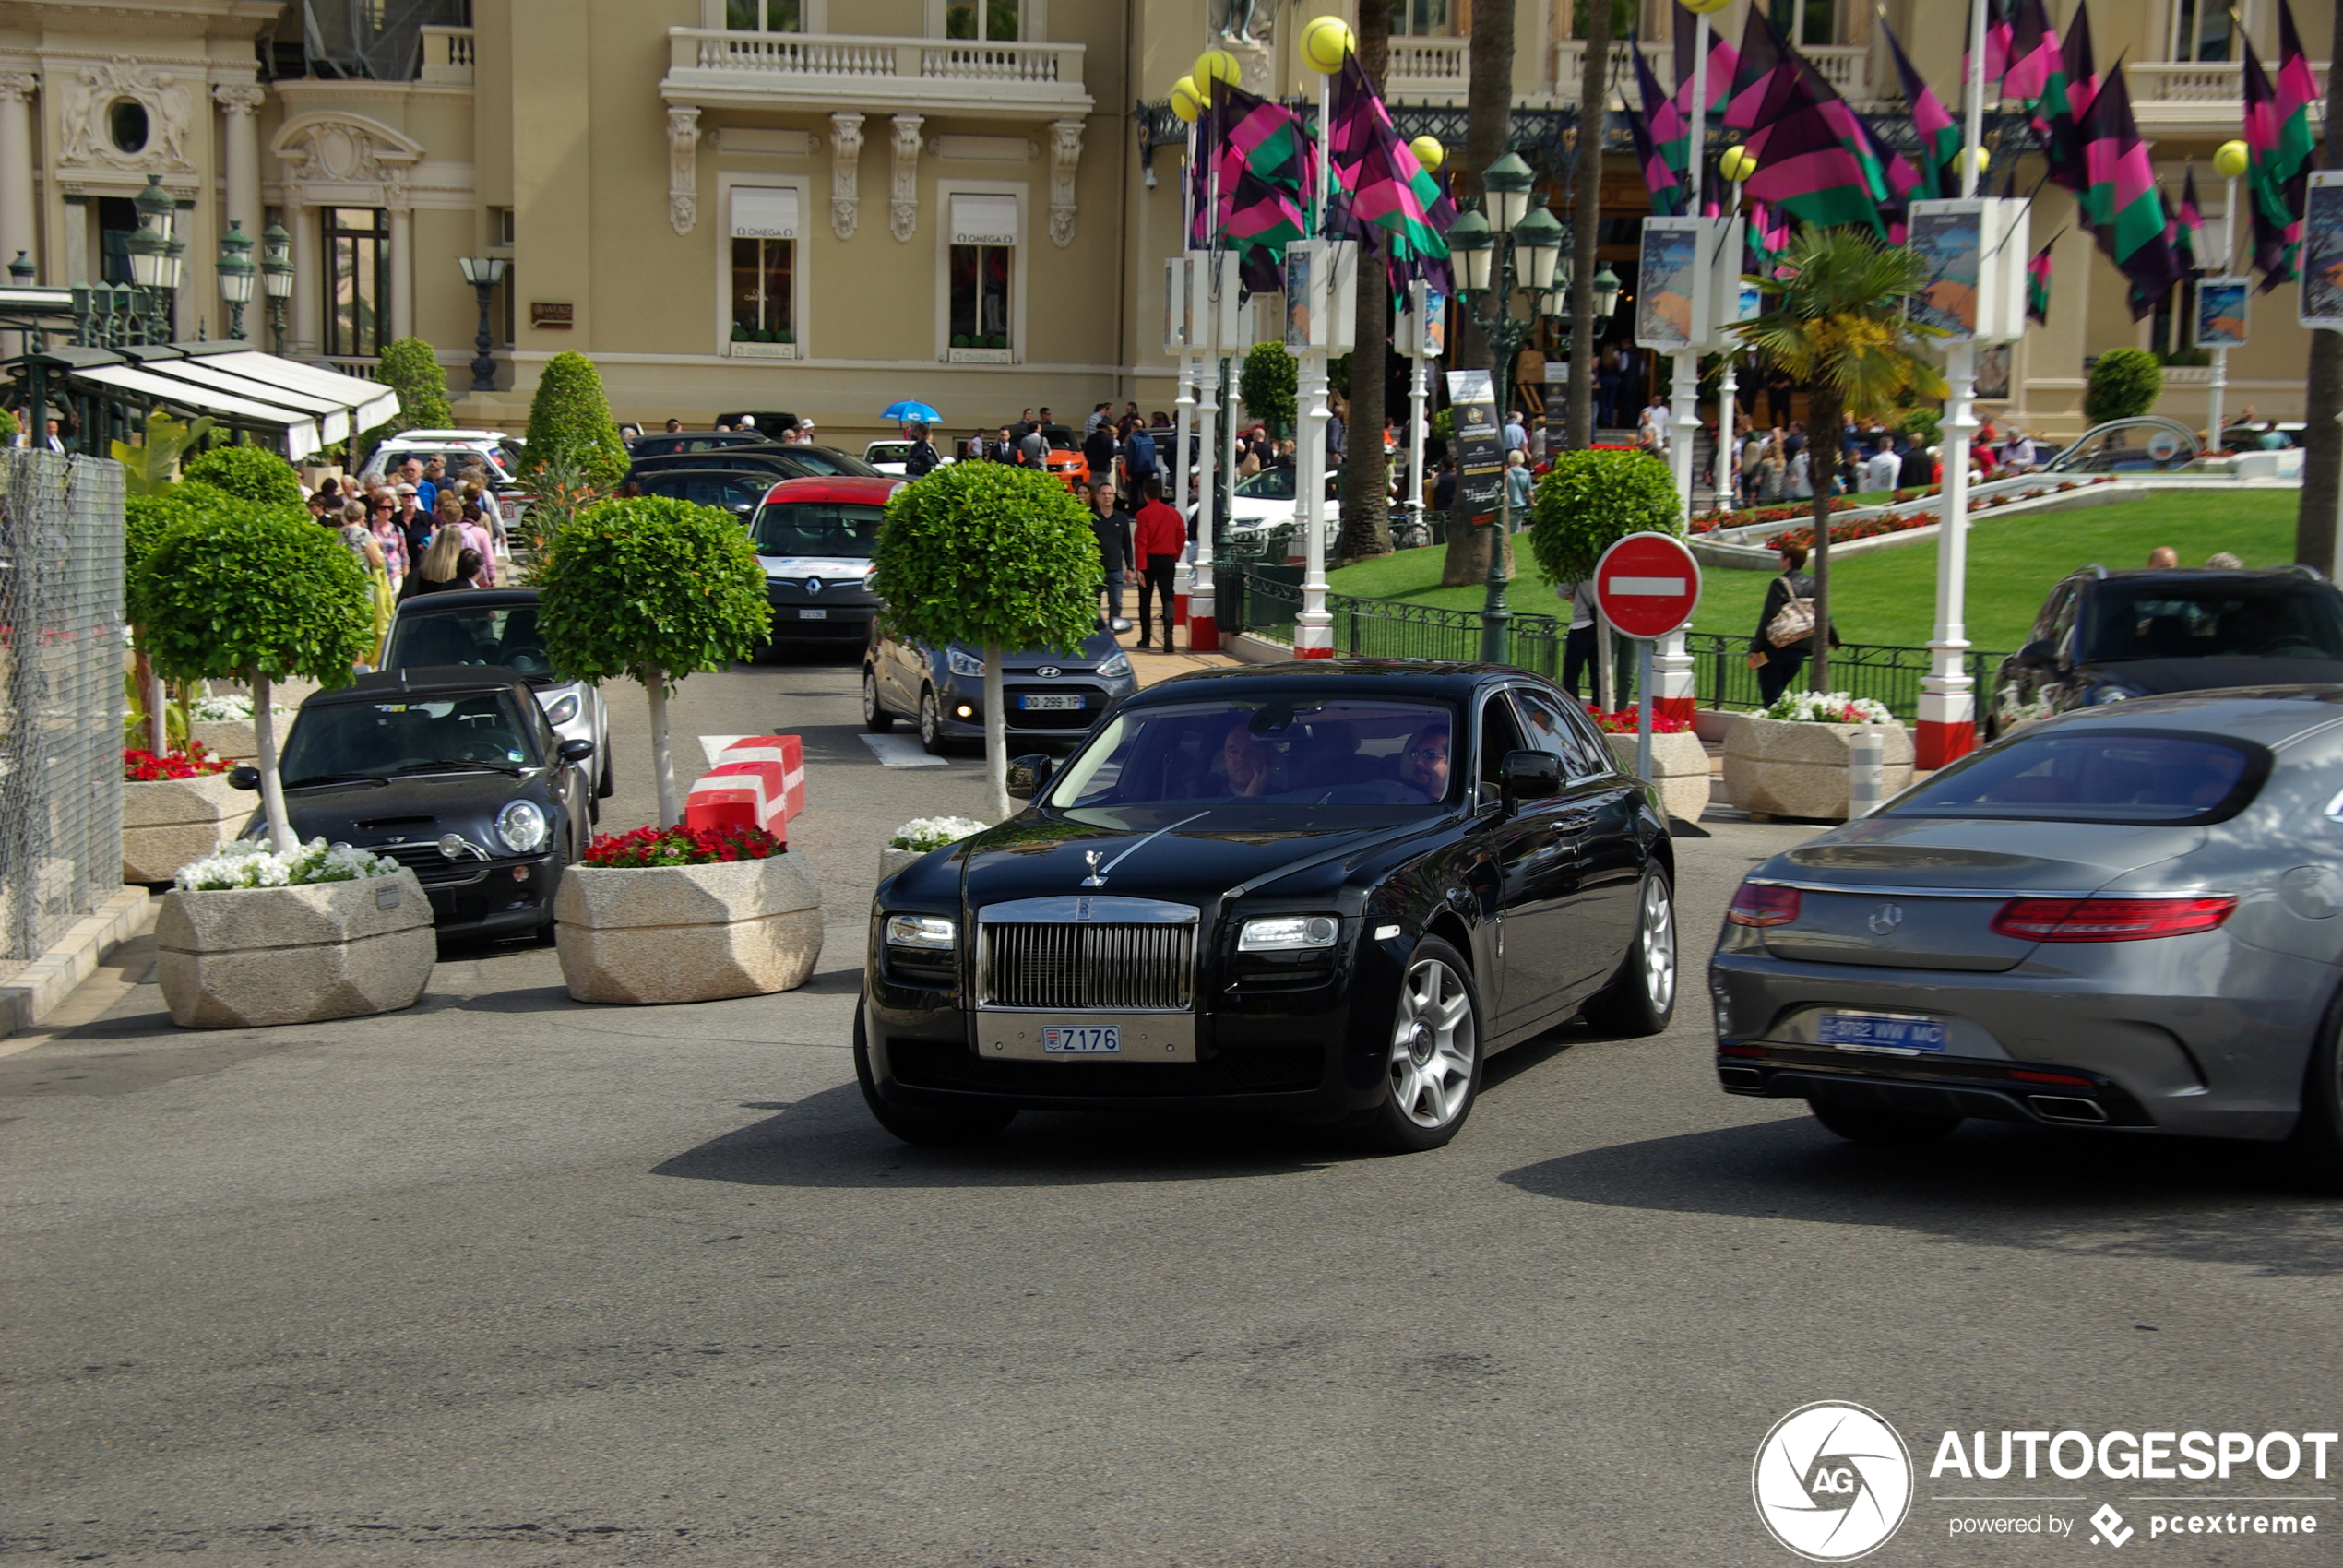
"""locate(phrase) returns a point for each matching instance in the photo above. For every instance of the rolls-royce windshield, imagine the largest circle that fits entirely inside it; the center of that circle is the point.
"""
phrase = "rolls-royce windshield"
(1310, 752)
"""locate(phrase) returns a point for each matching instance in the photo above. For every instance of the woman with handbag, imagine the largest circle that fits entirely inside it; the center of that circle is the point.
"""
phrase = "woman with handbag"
(1785, 628)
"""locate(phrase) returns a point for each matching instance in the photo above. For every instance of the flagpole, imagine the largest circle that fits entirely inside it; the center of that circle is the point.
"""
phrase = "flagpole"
(1947, 708)
(1671, 678)
(1314, 628)
(1727, 391)
(1208, 329)
(1185, 400)
(2218, 392)
(1419, 391)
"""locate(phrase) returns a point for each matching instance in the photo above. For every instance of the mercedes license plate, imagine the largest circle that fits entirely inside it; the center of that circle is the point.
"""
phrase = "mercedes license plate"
(1081, 1040)
(812, 614)
(1904, 1034)
(1032, 702)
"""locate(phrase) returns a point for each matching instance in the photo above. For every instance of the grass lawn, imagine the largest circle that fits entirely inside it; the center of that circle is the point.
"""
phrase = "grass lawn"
(1889, 596)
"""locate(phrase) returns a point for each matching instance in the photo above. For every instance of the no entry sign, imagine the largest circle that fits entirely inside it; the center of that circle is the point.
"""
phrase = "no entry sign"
(1648, 585)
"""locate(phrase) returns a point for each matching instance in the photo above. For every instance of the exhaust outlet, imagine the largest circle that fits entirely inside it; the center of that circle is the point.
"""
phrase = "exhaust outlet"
(1741, 1078)
(2060, 1107)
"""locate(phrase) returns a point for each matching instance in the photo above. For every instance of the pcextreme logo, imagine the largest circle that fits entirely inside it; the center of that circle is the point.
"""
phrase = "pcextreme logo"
(1833, 1481)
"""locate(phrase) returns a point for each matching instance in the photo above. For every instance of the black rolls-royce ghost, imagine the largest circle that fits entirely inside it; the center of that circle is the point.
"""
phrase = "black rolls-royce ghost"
(1325, 890)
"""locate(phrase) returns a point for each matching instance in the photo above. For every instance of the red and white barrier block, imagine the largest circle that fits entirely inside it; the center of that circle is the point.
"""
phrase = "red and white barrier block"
(758, 781)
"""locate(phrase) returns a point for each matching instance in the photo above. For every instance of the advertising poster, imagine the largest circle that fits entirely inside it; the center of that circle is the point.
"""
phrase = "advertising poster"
(1480, 458)
(2221, 312)
(2321, 298)
(1992, 370)
(1300, 261)
(1666, 283)
(1948, 244)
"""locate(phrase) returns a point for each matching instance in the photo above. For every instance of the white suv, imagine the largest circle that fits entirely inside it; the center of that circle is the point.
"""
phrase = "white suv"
(495, 451)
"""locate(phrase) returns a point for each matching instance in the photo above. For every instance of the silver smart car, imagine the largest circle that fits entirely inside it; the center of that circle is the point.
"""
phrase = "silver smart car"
(2128, 917)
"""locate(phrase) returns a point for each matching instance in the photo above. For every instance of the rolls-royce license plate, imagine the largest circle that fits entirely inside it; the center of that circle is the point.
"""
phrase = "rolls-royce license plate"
(812, 614)
(1032, 702)
(1081, 1040)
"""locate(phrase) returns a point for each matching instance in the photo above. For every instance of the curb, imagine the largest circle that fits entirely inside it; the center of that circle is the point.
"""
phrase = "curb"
(33, 993)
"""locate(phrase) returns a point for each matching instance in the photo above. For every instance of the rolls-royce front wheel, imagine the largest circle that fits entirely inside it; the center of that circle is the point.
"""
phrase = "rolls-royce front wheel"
(921, 1126)
(1433, 1069)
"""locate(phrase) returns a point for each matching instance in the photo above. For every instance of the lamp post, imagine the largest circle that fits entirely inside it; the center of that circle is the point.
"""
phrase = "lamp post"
(236, 273)
(1517, 252)
(2230, 162)
(150, 258)
(483, 273)
(277, 276)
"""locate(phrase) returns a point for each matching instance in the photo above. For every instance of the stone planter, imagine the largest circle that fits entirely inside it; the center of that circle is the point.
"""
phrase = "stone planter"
(892, 859)
(1679, 765)
(168, 822)
(1784, 768)
(234, 739)
(246, 956)
(689, 934)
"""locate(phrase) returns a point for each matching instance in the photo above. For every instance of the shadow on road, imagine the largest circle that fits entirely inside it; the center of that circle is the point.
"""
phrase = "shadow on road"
(2078, 1193)
(829, 1140)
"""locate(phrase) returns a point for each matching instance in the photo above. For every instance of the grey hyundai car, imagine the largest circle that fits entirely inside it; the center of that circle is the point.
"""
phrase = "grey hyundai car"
(2124, 917)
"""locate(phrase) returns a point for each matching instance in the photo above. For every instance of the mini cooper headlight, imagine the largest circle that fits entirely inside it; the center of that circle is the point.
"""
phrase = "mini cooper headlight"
(1285, 933)
(931, 932)
(562, 711)
(521, 825)
(964, 663)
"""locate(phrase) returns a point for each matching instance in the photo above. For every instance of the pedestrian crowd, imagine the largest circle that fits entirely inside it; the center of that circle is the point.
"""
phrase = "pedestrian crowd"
(416, 530)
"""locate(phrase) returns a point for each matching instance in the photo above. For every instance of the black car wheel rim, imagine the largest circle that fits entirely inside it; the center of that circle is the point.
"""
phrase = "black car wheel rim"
(1432, 1045)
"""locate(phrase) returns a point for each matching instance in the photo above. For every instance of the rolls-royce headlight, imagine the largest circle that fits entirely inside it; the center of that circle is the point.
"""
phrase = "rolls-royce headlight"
(964, 663)
(932, 931)
(1284, 932)
(562, 711)
(521, 825)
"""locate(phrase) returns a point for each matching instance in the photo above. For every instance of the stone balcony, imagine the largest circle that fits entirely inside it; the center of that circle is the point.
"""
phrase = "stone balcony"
(837, 72)
(2204, 98)
(446, 57)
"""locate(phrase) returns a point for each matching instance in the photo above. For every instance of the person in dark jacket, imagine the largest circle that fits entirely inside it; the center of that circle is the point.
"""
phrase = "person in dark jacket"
(1099, 448)
(1777, 666)
(1112, 525)
(922, 458)
(1918, 469)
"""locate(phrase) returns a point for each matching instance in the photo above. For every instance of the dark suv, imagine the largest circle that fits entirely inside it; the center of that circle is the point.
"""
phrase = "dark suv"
(2104, 636)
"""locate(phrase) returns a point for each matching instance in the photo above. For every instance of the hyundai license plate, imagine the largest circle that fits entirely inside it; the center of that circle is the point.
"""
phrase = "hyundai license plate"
(1032, 702)
(812, 614)
(1082, 1039)
(1903, 1034)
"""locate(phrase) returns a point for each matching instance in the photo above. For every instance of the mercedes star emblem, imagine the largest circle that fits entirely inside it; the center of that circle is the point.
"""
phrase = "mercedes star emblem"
(1884, 918)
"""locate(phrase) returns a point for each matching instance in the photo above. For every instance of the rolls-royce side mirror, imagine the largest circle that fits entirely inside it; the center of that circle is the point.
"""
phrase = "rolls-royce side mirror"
(574, 750)
(2041, 651)
(1028, 774)
(1532, 775)
(244, 777)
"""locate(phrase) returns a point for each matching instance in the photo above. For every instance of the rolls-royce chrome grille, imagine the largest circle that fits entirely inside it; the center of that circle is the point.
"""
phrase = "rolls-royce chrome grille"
(1088, 958)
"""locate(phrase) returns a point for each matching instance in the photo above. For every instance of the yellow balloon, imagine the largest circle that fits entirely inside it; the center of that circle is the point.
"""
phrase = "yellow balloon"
(1704, 7)
(1984, 160)
(1429, 153)
(1325, 42)
(2231, 159)
(1188, 98)
(1736, 164)
(1216, 65)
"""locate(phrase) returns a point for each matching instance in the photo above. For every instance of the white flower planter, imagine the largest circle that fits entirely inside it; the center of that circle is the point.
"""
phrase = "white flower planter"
(246, 956)
(892, 859)
(1785, 767)
(1679, 765)
(234, 739)
(168, 822)
(689, 934)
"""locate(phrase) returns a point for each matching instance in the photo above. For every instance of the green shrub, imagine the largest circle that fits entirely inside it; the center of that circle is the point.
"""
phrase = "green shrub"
(2124, 384)
(1590, 501)
(9, 427)
(248, 473)
(1924, 426)
(653, 589)
(569, 415)
(411, 370)
(1266, 384)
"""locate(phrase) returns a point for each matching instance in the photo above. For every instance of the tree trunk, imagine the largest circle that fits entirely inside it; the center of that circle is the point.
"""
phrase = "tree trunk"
(1488, 132)
(1365, 476)
(1594, 98)
(272, 783)
(1822, 427)
(2323, 398)
(996, 731)
(662, 758)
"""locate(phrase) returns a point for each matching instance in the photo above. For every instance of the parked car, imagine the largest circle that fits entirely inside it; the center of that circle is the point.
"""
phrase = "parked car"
(1052, 698)
(2120, 919)
(736, 490)
(498, 453)
(1265, 888)
(772, 425)
(454, 773)
(2107, 637)
(889, 456)
(665, 443)
(814, 538)
(498, 627)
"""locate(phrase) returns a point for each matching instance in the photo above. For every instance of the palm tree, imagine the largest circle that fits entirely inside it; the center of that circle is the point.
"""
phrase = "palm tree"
(1837, 324)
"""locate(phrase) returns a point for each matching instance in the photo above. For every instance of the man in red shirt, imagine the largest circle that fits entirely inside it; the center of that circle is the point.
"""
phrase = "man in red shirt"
(1157, 538)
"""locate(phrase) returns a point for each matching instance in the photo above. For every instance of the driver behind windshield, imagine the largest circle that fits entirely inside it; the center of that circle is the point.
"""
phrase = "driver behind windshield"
(1424, 765)
(1246, 759)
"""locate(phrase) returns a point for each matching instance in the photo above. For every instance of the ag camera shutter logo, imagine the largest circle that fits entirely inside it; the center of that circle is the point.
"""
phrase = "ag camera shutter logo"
(1832, 1482)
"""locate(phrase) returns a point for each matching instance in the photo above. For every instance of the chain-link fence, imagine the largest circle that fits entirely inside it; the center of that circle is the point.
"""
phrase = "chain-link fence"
(61, 697)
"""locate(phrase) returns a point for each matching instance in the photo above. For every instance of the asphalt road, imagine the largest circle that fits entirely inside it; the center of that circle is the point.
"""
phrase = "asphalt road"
(512, 1281)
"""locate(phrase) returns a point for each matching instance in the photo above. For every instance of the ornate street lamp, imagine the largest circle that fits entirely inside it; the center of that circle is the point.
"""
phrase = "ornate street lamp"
(150, 252)
(1606, 292)
(483, 273)
(277, 275)
(236, 273)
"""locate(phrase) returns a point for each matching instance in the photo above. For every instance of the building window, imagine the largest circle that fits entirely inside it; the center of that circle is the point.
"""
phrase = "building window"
(2171, 331)
(500, 305)
(764, 15)
(1622, 18)
(990, 21)
(978, 270)
(2202, 30)
(1806, 22)
(1422, 18)
(357, 239)
(764, 264)
(500, 227)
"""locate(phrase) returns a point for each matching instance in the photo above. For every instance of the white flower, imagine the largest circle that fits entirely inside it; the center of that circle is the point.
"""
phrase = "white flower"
(252, 863)
(227, 709)
(934, 832)
(1828, 707)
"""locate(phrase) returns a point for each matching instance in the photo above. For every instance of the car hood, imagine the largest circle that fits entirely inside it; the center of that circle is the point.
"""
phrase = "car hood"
(414, 808)
(2154, 677)
(1979, 855)
(829, 568)
(1195, 862)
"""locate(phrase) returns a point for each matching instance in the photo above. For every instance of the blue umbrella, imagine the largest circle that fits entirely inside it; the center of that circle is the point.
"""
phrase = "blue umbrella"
(911, 411)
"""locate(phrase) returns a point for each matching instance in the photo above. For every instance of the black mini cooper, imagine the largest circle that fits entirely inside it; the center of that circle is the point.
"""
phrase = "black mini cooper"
(1325, 889)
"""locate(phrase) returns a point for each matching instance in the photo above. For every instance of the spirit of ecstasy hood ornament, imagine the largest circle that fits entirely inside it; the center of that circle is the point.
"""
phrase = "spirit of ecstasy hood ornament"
(1097, 878)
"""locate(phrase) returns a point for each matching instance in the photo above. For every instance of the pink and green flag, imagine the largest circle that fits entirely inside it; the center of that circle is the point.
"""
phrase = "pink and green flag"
(2038, 285)
(1806, 167)
(2278, 150)
(1939, 137)
(1660, 139)
(2186, 234)
(2125, 210)
(2070, 82)
(1385, 188)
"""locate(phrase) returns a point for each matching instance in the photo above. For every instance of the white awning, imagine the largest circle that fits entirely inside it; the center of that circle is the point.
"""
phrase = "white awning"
(764, 212)
(302, 438)
(983, 220)
(204, 376)
(370, 402)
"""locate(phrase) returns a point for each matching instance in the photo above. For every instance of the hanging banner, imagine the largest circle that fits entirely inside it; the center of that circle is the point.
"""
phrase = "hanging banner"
(2221, 312)
(2322, 292)
(1479, 449)
(1669, 295)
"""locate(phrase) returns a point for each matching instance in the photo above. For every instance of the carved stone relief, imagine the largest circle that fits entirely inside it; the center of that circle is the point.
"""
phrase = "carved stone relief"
(85, 136)
(682, 169)
(1066, 158)
(331, 147)
(846, 152)
(903, 198)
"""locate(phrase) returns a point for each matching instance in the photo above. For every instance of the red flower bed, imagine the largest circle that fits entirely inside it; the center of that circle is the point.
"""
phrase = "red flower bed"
(1629, 721)
(682, 846)
(144, 767)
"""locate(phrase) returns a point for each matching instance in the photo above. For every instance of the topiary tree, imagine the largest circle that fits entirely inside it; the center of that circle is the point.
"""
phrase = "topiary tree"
(993, 557)
(145, 520)
(241, 592)
(1589, 502)
(248, 473)
(411, 370)
(654, 589)
(2124, 384)
(569, 417)
(1266, 384)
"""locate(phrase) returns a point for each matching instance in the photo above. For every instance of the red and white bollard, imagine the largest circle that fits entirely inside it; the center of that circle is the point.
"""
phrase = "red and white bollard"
(758, 782)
